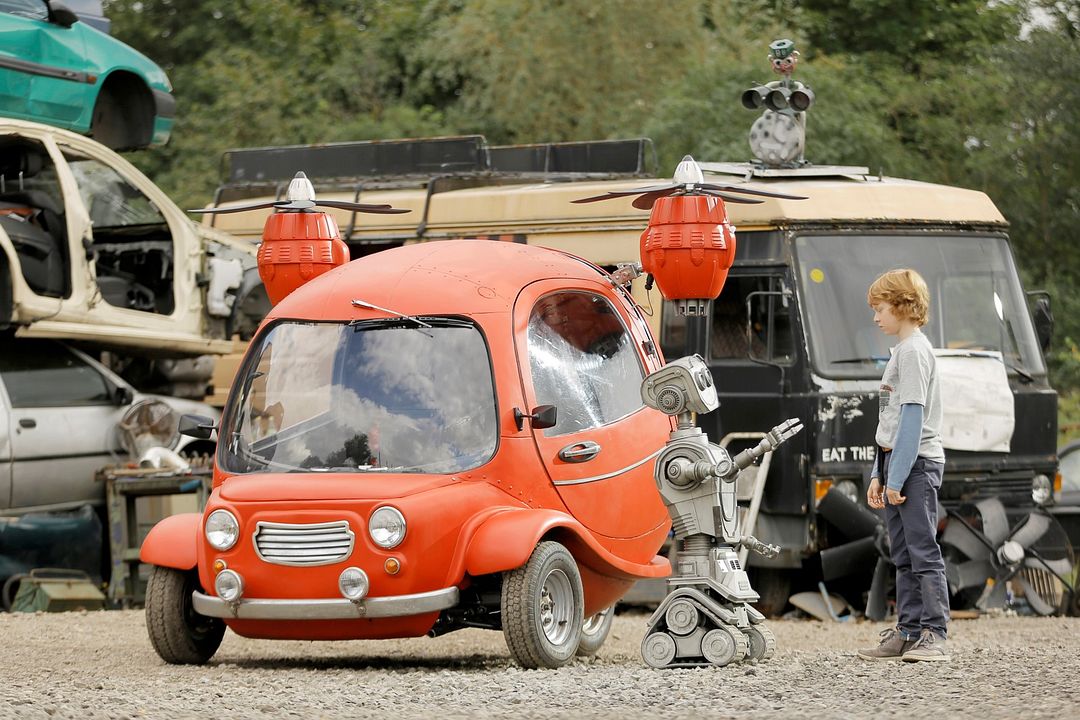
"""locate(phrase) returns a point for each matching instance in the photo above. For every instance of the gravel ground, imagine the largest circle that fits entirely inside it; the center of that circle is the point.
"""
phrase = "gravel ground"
(101, 665)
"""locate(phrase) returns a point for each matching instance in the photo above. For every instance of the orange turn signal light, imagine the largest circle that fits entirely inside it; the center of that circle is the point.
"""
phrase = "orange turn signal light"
(821, 486)
(219, 565)
(392, 566)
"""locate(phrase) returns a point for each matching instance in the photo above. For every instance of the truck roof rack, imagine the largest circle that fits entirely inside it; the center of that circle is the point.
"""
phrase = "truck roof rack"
(393, 163)
(757, 170)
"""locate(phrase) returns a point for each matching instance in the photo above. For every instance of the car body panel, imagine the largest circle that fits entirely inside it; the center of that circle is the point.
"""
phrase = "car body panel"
(173, 542)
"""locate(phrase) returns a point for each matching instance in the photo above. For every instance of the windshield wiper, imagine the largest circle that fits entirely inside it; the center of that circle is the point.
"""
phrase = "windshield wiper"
(868, 359)
(372, 306)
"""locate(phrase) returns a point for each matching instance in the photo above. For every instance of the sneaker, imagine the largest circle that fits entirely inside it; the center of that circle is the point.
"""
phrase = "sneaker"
(930, 646)
(892, 647)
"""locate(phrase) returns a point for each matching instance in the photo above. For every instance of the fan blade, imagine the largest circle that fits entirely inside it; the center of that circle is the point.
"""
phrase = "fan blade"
(1031, 529)
(1062, 568)
(1035, 600)
(973, 573)
(848, 516)
(727, 197)
(994, 596)
(611, 195)
(966, 540)
(235, 208)
(748, 191)
(995, 521)
(646, 201)
(849, 559)
(362, 207)
(876, 609)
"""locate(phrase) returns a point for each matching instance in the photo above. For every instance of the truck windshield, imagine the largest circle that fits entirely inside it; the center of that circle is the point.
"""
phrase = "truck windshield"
(371, 397)
(976, 302)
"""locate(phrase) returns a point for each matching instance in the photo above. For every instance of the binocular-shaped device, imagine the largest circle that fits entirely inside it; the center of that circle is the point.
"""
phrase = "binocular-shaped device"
(778, 97)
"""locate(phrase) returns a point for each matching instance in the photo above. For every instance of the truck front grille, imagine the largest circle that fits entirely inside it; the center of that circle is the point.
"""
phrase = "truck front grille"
(312, 544)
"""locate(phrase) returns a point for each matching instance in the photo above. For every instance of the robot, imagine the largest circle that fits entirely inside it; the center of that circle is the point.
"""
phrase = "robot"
(706, 617)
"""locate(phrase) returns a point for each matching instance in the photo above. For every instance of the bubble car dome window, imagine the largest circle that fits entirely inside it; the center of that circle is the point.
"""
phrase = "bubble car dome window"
(372, 396)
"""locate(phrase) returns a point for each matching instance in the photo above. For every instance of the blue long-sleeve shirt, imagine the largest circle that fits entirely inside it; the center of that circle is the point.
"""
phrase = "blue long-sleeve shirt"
(906, 450)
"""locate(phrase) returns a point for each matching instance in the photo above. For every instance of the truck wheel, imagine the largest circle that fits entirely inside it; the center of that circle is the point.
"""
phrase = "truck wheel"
(594, 632)
(773, 585)
(542, 604)
(180, 635)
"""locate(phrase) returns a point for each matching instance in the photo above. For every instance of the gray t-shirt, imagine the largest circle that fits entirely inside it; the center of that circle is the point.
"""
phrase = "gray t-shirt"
(911, 377)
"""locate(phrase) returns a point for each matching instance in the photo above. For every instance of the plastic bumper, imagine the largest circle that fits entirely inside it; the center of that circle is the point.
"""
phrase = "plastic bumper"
(331, 609)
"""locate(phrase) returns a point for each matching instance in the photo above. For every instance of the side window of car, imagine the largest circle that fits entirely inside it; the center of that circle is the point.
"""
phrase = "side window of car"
(44, 374)
(33, 9)
(133, 245)
(583, 361)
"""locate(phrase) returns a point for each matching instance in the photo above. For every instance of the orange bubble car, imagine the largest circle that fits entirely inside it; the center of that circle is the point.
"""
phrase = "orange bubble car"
(439, 436)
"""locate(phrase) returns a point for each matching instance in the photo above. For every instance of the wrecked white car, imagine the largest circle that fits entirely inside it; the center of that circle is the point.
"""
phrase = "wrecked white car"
(91, 250)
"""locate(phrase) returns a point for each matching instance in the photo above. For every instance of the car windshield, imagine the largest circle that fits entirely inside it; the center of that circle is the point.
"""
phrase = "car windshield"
(371, 396)
(976, 302)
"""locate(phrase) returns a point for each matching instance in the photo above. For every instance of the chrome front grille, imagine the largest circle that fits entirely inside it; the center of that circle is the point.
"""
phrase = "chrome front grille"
(311, 544)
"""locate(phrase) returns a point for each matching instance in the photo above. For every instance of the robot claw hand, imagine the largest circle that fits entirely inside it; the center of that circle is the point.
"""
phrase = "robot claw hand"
(772, 440)
(766, 549)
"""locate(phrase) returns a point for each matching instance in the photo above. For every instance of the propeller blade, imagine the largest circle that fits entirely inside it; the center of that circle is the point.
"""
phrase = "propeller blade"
(994, 596)
(727, 197)
(848, 516)
(1034, 527)
(973, 573)
(849, 559)
(646, 201)
(876, 608)
(611, 195)
(1035, 600)
(966, 540)
(235, 208)
(995, 521)
(1062, 568)
(749, 191)
(382, 209)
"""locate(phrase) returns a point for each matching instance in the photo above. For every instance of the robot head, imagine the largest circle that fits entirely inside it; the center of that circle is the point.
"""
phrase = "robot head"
(683, 385)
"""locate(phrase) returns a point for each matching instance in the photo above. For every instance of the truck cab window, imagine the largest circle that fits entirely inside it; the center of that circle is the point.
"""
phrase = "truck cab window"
(133, 247)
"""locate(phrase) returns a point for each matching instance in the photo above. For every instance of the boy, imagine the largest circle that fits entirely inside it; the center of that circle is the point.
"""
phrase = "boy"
(910, 461)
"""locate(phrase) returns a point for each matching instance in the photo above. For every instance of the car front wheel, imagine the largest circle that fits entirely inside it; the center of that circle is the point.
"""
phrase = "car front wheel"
(180, 635)
(542, 606)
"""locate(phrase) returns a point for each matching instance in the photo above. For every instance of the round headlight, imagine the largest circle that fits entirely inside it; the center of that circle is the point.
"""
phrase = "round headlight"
(387, 527)
(222, 530)
(848, 488)
(1042, 490)
(353, 583)
(228, 585)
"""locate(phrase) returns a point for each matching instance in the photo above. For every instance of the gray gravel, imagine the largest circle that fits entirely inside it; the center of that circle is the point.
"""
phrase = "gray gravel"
(101, 665)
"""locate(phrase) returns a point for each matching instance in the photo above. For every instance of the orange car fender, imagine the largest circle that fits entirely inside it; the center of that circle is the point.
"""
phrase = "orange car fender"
(173, 542)
(506, 540)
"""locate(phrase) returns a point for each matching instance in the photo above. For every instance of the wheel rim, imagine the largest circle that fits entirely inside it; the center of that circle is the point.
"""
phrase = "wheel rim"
(556, 607)
(593, 625)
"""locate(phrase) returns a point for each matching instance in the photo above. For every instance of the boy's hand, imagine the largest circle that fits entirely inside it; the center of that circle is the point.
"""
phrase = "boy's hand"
(874, 497)
(894, 497)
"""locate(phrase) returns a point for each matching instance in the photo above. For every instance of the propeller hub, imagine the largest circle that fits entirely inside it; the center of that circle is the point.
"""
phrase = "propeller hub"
(1011, 552)
(300, 188)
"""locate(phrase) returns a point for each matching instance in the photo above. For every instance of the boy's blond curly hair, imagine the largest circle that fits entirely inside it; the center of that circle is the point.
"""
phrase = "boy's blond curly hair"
(906, 291)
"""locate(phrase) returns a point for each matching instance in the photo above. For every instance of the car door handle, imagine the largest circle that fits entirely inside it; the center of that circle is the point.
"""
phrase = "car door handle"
(579, 452)
(27, 423)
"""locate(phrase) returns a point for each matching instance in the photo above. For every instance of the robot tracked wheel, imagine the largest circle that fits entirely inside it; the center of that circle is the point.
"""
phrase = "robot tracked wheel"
(706, 618)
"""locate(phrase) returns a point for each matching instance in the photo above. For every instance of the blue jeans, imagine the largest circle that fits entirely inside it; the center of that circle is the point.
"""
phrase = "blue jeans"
(922, 594)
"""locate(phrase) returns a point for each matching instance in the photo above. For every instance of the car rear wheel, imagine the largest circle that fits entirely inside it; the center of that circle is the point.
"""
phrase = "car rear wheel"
(542, 606)
(180, 635)
(595, 631)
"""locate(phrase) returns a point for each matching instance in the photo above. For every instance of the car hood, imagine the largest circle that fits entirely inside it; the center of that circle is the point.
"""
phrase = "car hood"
(302, 487)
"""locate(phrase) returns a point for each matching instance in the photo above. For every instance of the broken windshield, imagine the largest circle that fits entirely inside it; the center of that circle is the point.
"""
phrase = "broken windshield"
(373, 396)
(976, 302)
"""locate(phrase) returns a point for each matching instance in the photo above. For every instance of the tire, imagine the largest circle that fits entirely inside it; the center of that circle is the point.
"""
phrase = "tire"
(180, 635)
(595, 631)
(773, 586)
(542, 606)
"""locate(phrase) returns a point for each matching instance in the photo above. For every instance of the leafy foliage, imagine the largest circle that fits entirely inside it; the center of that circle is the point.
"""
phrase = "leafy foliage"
(977, 93)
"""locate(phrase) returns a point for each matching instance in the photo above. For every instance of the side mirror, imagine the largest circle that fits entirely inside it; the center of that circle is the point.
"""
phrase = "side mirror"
(62, 15)
(199, 427)
(123, 395)
(1043, 317)
(542, 417)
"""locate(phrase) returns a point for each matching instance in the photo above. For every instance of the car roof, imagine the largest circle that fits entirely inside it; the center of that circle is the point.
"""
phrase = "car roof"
(454, 277)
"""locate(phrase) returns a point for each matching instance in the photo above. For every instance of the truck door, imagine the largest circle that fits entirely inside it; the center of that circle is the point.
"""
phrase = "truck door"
(576, 353)
(61, 424)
